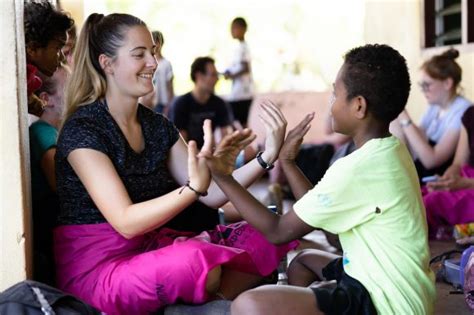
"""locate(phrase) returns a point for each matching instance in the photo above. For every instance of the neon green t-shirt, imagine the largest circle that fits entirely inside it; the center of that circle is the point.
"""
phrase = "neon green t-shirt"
(372, 199)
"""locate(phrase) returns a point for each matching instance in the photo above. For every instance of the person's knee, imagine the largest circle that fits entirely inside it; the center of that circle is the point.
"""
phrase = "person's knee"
(300, 259)
(298, 272)
(249, 302)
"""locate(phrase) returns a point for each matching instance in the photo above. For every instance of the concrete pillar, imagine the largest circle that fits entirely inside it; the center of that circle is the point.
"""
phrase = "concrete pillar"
(15, 204)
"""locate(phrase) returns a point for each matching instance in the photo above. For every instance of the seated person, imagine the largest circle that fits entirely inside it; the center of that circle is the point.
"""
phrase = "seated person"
(43, 137)
(45, 35)
(370, 198)
(123, 173)
(434, 141)
(450, 199)
(189, 111)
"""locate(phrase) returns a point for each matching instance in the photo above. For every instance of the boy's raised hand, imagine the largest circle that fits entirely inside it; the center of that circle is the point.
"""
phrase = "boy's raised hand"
(275, 127)
(293, 140)
(221, 160)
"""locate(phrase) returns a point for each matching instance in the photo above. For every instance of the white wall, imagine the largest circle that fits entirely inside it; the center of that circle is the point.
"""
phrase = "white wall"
(14, 155)
(399, 24)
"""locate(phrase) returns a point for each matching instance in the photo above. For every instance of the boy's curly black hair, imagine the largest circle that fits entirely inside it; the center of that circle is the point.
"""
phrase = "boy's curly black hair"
(380, 74)
(44, 23)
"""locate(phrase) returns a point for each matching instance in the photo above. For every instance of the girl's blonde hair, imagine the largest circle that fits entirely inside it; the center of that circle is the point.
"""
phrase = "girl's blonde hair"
(100, 35)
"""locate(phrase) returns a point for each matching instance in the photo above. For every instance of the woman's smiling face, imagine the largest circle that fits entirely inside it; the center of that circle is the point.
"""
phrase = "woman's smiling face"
(131, 70)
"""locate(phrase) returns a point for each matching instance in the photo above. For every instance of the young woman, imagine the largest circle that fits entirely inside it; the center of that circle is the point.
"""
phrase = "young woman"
(433, 142)
(123, 173)
(451, 198)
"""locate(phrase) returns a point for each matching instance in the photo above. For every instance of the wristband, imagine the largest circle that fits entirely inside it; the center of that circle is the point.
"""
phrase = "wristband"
(198, 193)
(262, 163)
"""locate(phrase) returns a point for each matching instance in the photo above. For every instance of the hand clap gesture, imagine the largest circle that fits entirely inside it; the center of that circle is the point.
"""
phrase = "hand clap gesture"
(221, 160)
(291, 146)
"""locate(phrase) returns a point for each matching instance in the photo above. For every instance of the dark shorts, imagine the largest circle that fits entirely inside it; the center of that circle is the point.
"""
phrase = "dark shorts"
(241, 109)
(349, 297)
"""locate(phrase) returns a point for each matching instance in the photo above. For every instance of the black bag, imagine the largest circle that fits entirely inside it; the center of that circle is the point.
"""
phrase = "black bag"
(35, 298)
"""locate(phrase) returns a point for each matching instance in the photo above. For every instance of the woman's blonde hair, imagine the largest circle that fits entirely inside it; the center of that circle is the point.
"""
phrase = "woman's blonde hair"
(100, 35)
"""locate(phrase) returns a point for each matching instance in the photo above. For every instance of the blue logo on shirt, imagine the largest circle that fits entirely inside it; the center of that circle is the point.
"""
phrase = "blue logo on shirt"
(324, 200)
(345, 260)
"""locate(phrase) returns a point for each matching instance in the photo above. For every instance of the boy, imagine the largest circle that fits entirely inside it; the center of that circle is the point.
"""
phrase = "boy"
(45, 35)
(370, 198)
(240, 72)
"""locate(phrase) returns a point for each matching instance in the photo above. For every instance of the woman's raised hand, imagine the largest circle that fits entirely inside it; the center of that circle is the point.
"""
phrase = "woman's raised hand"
(275, 127)
(198, 172)
(293, 140)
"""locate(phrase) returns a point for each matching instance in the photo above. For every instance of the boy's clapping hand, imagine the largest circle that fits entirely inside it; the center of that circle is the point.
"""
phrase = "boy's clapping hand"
(291, 146)
(221, 159)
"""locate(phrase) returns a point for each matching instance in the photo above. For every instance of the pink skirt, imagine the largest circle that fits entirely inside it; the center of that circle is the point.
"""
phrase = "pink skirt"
(143, 274)
(449, 207)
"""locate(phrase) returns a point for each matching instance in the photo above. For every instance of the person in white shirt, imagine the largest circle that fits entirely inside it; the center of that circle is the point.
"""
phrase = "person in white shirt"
(162, 95)
(240, 72)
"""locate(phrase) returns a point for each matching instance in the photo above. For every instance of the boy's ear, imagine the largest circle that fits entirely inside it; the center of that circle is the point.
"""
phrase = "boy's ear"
(359, 105)
(105, 63)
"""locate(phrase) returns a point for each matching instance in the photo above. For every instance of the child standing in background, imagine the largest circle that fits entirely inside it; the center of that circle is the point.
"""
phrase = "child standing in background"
(240, 72)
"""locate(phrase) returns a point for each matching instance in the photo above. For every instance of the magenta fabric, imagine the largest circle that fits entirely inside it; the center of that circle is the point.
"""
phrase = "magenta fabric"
(143, 274)
(468, 122)
(449, 207)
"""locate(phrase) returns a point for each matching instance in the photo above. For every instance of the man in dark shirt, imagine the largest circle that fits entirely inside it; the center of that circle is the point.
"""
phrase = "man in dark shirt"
(189, 111)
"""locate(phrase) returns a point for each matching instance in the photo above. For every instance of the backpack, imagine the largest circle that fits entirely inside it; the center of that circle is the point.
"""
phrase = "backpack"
(36, 298)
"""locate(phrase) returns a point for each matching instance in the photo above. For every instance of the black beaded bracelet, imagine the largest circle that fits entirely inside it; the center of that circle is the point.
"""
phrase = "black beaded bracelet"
(198, 193)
